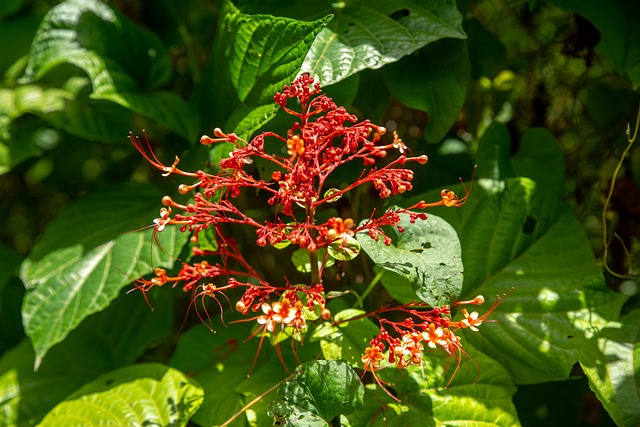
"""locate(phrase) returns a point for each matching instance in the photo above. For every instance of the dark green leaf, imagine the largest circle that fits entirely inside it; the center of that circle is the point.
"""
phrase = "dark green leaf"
(253, 58)
(434, 82)
(612, 363)
(515, 234)
(320, 390)
(148, 394)
(347, 339)
(494, 153)
(426, 253)
(124, 62)
(83, 272)
(541, 159)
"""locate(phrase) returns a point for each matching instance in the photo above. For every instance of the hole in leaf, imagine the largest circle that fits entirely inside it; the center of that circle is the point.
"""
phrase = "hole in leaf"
(529, 225)
(399, 14)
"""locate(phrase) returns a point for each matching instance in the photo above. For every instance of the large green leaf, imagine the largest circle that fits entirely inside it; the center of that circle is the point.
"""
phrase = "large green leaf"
(426, 253)
(83, 261)
(611, 361)
(140, 395)
(254, 56)
(539, 157)
(435, 81)
(125, 62)
(320, 391)
(514, 234)
(105, 341)
(479, 395)
(366, 34)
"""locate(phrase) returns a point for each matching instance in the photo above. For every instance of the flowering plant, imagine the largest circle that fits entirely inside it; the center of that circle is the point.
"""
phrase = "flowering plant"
(322, 138)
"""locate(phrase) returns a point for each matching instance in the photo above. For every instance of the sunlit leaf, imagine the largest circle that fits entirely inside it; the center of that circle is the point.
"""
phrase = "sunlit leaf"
(479, 394)
(426, 253)
(515, 235)
(110, 339)
(320, 390)
(148, 394)
(612, 364)
(82, 272)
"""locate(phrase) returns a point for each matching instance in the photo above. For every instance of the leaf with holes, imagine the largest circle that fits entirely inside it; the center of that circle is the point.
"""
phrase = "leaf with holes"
(426, 253)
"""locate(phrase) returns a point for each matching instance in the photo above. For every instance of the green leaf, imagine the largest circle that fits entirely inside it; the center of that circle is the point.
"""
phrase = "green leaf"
(344, 248)
(300, 258)
(426, 253)
(222, 358)
(147, 394)
(612, 363)
(320, 390)
(435, 81)
(107, 340)
(374, 33)
(125, 62)
(541, 159)
(253, 57)
(514, 234)
(494, 152)
(480, 394)
(67, 109)
(346, 339)
(72, 274)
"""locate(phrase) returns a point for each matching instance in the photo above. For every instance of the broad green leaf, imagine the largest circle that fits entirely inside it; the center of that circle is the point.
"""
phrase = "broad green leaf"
(320, 390)
(372, 34)
(541, 159)
(366, 34)
(253, 57)
(72, 274)
(479, 394)
(125, 62)
(435, 81)
(300, 258)
(146, 394)
(426, 253)
(344, 248)
(107, 340)
(612, 363)
(515, 235)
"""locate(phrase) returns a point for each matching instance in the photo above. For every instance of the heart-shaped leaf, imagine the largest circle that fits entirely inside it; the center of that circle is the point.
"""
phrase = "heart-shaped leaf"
(426, 253)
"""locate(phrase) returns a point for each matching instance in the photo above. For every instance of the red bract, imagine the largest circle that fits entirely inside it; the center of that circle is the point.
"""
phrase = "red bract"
(322, 138)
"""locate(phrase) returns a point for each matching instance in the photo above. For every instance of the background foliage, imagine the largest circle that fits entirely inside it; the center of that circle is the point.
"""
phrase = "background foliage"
(538, 94)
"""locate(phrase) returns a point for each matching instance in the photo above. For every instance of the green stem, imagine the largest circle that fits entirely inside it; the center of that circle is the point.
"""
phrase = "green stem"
(372, 285)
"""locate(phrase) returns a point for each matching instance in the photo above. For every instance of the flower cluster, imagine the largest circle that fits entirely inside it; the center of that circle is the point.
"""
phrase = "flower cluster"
(322, 138)
(423, 329)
